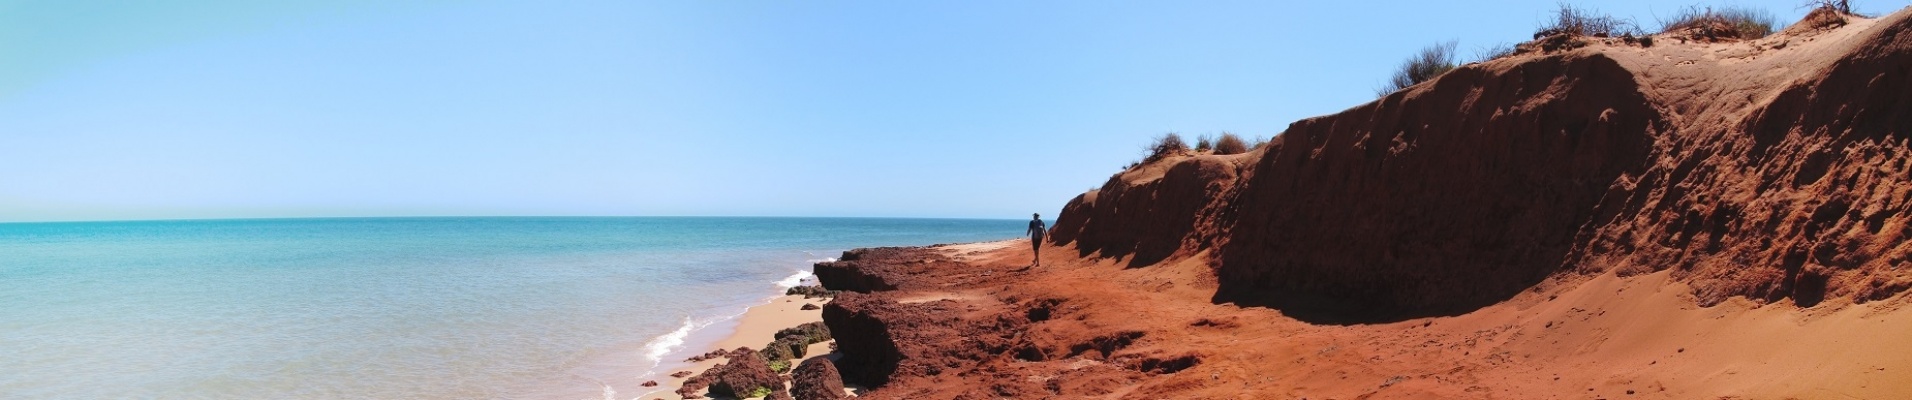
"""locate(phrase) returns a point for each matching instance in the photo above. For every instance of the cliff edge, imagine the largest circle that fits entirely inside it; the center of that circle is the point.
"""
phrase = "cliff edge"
(1684, 220)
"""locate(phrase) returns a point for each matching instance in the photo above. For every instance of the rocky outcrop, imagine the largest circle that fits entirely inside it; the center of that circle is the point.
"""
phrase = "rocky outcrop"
(816, 379)
(1773, 171)
(879, 336)
(887, 268)
(745, 374)
(1401, 208)
(748, 375)
(1150, 213)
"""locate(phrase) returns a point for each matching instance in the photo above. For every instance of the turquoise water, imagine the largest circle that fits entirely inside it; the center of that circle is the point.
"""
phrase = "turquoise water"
(396, 308)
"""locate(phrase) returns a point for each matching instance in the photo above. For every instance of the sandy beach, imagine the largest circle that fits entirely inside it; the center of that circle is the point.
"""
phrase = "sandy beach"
(756, 327)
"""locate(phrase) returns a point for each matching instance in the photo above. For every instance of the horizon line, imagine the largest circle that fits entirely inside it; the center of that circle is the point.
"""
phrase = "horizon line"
(482, 216)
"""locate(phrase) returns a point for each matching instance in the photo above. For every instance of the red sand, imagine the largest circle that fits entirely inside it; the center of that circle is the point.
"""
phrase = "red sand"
(1702, 220)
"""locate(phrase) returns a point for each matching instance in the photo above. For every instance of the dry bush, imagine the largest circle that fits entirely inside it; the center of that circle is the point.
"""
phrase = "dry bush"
(1840, 6)
(1167, 145)
(1202, 143)
(1431, 62)
(1230, 144)
(1494, 52)
(1722, 23)
(1586, 22)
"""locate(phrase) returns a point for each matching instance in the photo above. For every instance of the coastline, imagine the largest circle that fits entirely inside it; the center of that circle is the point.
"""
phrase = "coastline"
(755, 327)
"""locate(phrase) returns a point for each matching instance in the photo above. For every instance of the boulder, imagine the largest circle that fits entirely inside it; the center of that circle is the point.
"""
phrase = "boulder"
(816, 379)
(810, 292)
(777, 350)
(745, 375)
(813, 332)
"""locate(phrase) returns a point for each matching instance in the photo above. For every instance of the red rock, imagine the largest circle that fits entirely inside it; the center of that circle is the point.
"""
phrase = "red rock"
(745, 373)
(816, 379)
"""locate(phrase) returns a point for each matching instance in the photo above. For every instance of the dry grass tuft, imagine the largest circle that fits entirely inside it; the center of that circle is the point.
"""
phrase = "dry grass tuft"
(1228, 143)
(1421, 67)
(1168, 145)
(1725, 23)
(1495, 52)
(1586, 22)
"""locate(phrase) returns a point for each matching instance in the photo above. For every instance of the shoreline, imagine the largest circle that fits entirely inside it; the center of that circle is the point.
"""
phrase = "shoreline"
(754, 328)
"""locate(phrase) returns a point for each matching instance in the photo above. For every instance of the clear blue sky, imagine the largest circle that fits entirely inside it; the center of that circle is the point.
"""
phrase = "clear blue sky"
(992, 109)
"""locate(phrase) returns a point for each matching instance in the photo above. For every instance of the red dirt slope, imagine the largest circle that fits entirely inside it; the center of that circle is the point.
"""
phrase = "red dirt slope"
(1772, 169)
(1718, 220)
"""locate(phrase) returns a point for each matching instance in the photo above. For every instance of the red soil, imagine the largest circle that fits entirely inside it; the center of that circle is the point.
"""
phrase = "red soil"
(1687, 220)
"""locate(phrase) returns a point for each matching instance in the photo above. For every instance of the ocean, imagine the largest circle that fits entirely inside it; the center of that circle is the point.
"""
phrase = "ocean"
(398, 308)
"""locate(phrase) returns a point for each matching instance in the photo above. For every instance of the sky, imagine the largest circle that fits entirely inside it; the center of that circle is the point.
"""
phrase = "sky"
(187, 109)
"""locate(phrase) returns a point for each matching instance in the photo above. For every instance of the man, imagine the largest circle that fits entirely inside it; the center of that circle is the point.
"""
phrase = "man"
(1036, 229)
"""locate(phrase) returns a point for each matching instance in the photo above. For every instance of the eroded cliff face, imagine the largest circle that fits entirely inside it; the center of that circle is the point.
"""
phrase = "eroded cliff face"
(1774, 170)
(1803, 196)
(1559, 214)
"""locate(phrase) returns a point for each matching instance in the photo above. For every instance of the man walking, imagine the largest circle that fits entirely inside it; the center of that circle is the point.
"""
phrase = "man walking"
(1036, 230)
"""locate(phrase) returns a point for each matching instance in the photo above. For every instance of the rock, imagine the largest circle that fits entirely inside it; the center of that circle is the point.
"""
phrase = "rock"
(786, 347)
(713, 354)
(813, 332)
(649, 384)
(681, 374)
(816, 379)
(694, 387)
(746, 374)
(809, 306)
(810, 292)
(798, 345)
(777, 350)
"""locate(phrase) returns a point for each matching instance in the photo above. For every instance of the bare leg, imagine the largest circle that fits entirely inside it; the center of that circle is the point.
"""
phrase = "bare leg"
(1036, 243)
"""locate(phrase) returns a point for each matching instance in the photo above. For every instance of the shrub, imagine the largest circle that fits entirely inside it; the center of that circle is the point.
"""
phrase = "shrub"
(1230, 144)
(1585, 22)
(759, 392)
(1202, 144)
(1723, 23)
(1840, 6)
(1421, 67)
(1167, 145)
(779, 366)
(1494, 52)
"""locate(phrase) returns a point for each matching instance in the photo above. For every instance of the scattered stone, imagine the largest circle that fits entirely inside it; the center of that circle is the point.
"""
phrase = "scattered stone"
(816, 379)
(710, 377)
(680, 374)
(713, 354)
(809, 306)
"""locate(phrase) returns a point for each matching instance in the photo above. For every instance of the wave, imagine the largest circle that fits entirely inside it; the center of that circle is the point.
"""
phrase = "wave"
(657, 348)
(664, 345)
(795, 280)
